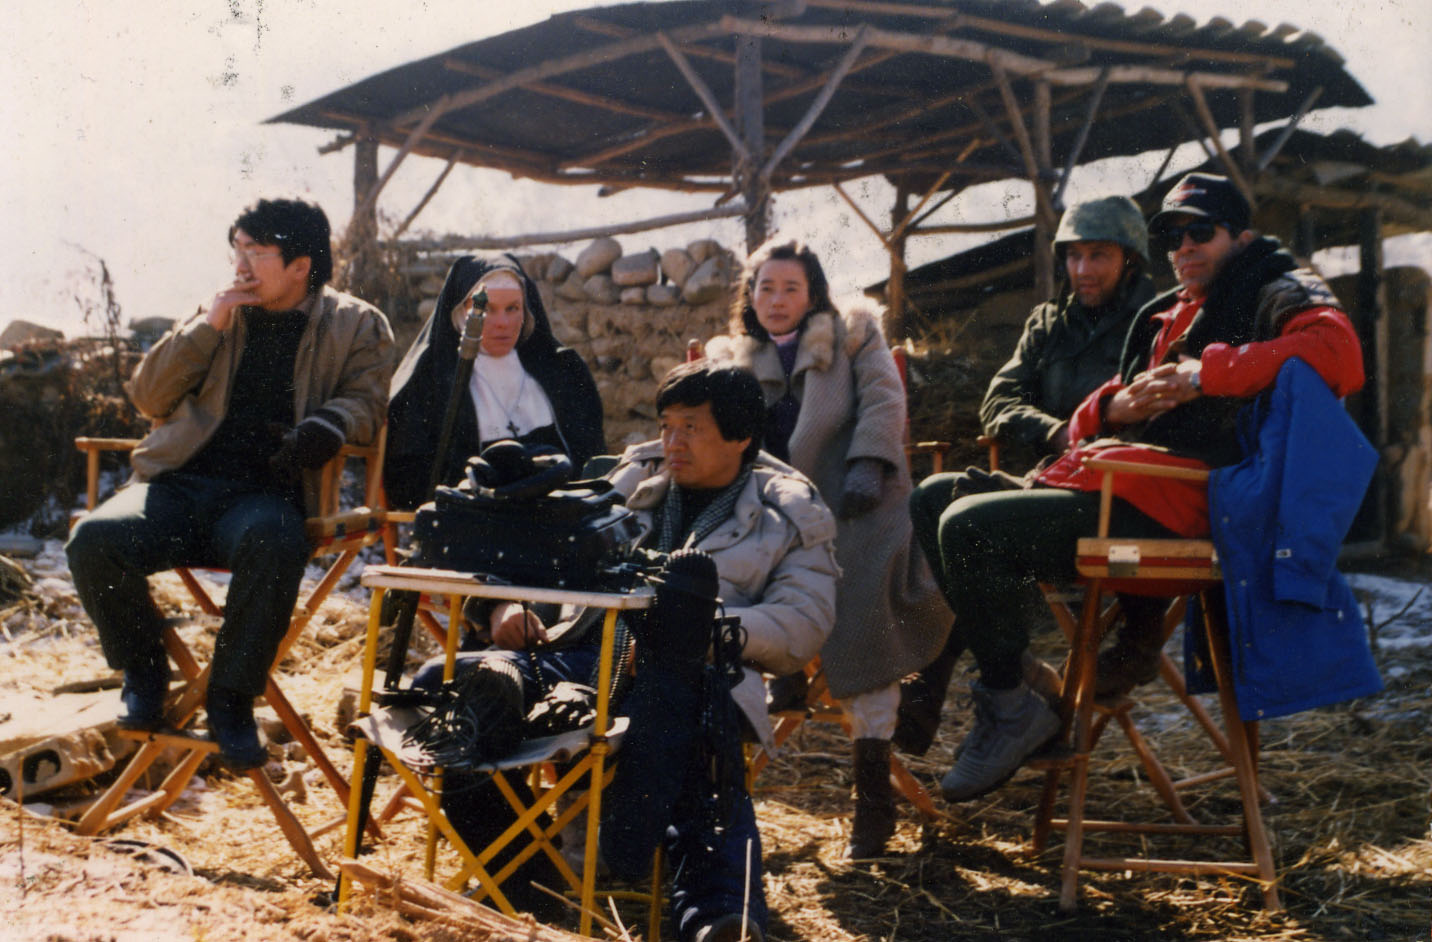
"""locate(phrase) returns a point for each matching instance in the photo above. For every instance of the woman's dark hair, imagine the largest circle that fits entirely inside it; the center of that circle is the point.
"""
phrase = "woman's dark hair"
(298, 228)
(743, 312)
(737, 403)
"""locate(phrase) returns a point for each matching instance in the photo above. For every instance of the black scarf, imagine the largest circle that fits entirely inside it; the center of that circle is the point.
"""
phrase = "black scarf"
(669, 533)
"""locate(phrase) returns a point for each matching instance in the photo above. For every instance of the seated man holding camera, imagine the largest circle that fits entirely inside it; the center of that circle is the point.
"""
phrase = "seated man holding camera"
(706, 494)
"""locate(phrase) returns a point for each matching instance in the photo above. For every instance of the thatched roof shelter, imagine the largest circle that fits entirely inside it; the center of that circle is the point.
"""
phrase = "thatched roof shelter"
(741, 99)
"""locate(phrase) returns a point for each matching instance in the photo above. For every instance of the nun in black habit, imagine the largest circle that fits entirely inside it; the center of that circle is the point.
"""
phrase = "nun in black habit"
(524, 385)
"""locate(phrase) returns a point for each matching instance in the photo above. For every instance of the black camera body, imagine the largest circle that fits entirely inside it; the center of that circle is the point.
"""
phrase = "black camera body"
(551, 534)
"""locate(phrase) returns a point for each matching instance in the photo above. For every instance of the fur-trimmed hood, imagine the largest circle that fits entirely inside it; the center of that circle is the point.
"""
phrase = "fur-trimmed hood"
(822, 333)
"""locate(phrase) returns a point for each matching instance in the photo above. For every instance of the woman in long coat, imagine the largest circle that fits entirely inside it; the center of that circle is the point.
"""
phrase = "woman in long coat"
(836, 411)
(524, 385)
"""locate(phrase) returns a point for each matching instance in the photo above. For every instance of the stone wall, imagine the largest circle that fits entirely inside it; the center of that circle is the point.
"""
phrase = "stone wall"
(628, 315)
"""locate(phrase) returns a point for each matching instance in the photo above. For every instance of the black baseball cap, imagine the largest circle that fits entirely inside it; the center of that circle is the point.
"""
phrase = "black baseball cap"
(1207, 195)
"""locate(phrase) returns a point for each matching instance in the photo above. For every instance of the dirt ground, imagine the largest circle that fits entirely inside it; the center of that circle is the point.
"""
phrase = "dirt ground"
(1350, 784)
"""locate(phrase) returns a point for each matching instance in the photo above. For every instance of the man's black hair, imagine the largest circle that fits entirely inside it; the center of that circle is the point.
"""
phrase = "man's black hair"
(743, 311)
(737, 403)
(298, 228)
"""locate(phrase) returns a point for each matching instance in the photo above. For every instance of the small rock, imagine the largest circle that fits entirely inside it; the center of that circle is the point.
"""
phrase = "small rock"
(558, 269)
(639, 269)
(702, 249)
(600, 288)
(598, 257)
(707, 283)
(636, 294)
(677, 265)
(662, 295)
(571, 289)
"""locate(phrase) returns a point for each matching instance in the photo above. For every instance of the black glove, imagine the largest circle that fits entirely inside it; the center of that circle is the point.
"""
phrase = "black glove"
(310, 444)
(567, 706)
(864, 483)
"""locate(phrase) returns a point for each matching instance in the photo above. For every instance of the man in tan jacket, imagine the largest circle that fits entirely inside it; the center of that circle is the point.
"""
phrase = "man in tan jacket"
(249, 398)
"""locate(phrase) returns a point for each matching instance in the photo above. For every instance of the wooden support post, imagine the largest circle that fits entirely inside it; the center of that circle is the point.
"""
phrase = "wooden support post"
(1205, 115)
(1288, 129)
(1073, 159)
(822, 99)
(1247, 150)
(1372, 310)
(751, 120)
(1044, 222)
(427, 197)
(365, 175)
(900, 214)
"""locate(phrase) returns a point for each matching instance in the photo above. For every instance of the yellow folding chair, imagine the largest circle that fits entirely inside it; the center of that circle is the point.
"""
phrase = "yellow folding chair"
(581, 781)
(337, 534)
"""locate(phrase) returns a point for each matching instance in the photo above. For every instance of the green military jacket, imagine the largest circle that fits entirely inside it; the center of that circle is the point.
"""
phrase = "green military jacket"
(1065, 352)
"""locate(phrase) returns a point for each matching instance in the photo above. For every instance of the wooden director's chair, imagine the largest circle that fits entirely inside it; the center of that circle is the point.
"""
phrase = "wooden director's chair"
(1062, 602)
(587, 749)
(1159, 567)
(337, 534)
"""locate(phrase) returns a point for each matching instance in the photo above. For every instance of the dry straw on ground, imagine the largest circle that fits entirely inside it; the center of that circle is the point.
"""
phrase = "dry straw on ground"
(1350, 824)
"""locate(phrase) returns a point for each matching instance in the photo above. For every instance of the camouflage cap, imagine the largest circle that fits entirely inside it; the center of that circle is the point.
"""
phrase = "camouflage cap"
(1110, 219)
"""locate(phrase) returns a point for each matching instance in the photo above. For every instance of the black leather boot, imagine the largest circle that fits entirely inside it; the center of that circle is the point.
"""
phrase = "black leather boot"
(146, 682)
(232, 726)
(664, 707)
(874, 800)
(922, 697)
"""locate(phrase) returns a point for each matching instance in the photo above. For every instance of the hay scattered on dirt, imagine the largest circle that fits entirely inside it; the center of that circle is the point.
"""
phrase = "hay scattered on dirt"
(1350, 825)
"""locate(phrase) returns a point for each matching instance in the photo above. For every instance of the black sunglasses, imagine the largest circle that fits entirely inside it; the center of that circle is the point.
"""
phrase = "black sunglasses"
(1201, 231)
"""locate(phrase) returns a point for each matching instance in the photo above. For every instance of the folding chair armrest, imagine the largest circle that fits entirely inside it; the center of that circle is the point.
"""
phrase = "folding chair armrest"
(991, 445)
(399, 516)
(1111, 466)
(340, 524)
(92, 447)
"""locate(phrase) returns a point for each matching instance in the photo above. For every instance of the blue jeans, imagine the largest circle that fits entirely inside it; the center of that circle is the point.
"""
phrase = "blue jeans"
(183, 519)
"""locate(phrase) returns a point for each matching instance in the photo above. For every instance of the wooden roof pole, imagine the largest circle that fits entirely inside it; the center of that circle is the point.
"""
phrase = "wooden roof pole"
(432, 191)
(755, 185)
(1043, 222)
(488, 243)
(1287, 132)
(817, 105)
(1042, 208)
(1200, 104)
(1082, 138)
(370, 199)
(708, 97)
(1248, 152)
(900, 214)
(1372, 311)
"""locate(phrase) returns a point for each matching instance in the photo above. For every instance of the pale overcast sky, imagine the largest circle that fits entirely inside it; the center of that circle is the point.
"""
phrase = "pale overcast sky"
(133, 134)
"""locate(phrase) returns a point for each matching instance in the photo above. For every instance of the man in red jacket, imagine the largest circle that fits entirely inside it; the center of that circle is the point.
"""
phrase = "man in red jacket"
(1192, 359)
